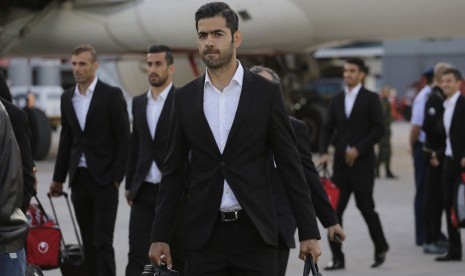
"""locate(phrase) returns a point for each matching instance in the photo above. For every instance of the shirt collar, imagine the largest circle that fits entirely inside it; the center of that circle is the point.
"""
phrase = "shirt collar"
(452, 100)
(162, 95)
(354, 91)
(90, 89)
(237, 78)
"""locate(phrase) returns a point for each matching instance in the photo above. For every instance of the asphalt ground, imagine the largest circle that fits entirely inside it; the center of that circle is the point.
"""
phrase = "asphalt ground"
(394, 204)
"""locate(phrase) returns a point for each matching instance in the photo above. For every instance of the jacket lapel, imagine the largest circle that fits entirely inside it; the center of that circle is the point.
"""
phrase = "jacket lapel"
(164, 119)
(72, 112)
(96, 97)
(245, 101)
(142, 113)
(201, 118)
(356, 103)
(455, 115)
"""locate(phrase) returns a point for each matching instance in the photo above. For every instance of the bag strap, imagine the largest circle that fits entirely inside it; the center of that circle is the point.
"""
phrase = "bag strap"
(311, 266)
(41, 207)
(323, 169)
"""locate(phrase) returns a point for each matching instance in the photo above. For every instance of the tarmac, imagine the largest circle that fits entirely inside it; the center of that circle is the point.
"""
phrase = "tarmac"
(394, 204)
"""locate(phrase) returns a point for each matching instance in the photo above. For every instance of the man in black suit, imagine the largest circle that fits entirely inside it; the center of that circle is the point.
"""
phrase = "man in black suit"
(18, 119)
(93, 149)
(434, 147)
(356, 118)
(284, 215)
(454, 162)
(149, 144)
(225, 124)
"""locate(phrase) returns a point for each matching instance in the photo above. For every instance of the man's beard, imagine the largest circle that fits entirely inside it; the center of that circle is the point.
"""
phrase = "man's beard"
(158, 82)
(223, 58)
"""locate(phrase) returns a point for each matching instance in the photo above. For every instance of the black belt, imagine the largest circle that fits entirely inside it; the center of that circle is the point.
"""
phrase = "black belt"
(154, 186)
(231, 216)
(82, 170)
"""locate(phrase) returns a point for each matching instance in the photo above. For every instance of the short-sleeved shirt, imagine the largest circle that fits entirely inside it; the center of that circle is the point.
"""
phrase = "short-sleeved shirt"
(418, 110)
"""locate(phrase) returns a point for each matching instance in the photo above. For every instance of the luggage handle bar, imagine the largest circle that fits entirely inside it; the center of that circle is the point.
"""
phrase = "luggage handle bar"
(72, 220)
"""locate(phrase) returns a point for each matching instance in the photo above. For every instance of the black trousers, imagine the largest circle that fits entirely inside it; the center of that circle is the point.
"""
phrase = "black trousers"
(420, 163)
(95, 206)
(283, 257)
(451, 174)
(235, 248)
(140, 225)
(433, 205)
(361, 184)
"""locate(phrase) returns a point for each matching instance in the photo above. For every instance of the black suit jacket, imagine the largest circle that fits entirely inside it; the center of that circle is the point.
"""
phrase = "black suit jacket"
(18, 119)
(143, 149)
(362, 130)
(456, 133)
(284, 215)
(104, 140)
(433, 125)
(261, 124)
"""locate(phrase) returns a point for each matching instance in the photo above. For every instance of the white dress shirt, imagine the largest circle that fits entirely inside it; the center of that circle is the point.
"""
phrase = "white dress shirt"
(154, 109)
(220, 109)
(81, 105)
(418, 110)
(449, 107)
(349, 98)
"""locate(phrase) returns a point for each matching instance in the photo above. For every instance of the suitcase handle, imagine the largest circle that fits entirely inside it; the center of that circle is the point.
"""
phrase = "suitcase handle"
(65, 195)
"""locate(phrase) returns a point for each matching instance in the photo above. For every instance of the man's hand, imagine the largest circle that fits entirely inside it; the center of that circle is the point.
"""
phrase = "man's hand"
(462, 162)
(336, 230)
(351, 156)
(324, 159)
(160, 253)
(434, 162)
(310, 247)
(56, 188)
(126, 195)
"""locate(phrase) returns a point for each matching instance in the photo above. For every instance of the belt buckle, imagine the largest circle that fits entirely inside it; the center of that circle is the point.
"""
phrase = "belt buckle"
(225, 219)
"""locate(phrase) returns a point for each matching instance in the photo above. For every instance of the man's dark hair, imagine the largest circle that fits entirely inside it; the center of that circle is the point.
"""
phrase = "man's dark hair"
(257, 69)
(453, 71)
(213, 9)
(85, 48)
(359, 63)
(4, 90)
(162, 49)
(428, 74)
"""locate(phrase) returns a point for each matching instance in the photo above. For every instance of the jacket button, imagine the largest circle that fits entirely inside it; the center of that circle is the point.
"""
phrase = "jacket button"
(219, 193)
(222, 164)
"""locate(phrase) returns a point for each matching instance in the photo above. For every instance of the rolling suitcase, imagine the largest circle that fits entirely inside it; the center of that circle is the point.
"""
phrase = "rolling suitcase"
(72, 263)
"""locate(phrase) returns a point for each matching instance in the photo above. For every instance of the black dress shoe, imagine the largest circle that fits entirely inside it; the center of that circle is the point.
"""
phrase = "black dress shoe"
(448, 257)
(335, 264)
(380, 258)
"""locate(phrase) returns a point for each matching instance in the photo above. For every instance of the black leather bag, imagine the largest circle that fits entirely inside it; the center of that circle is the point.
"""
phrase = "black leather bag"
(163, 270)
(311, 266)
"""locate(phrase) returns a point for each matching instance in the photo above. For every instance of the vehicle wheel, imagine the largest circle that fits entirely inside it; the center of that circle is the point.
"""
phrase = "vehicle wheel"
(314, 119)
(41, 133)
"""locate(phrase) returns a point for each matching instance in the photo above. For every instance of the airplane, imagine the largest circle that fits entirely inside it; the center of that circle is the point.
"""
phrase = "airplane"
(271, 29)
(52, 27)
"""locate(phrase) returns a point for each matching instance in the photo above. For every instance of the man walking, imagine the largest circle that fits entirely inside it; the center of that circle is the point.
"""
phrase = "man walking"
(225, 124)
(149, 144)
(356, 117)
(93, 150)
(454, 162)
(284, 215)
